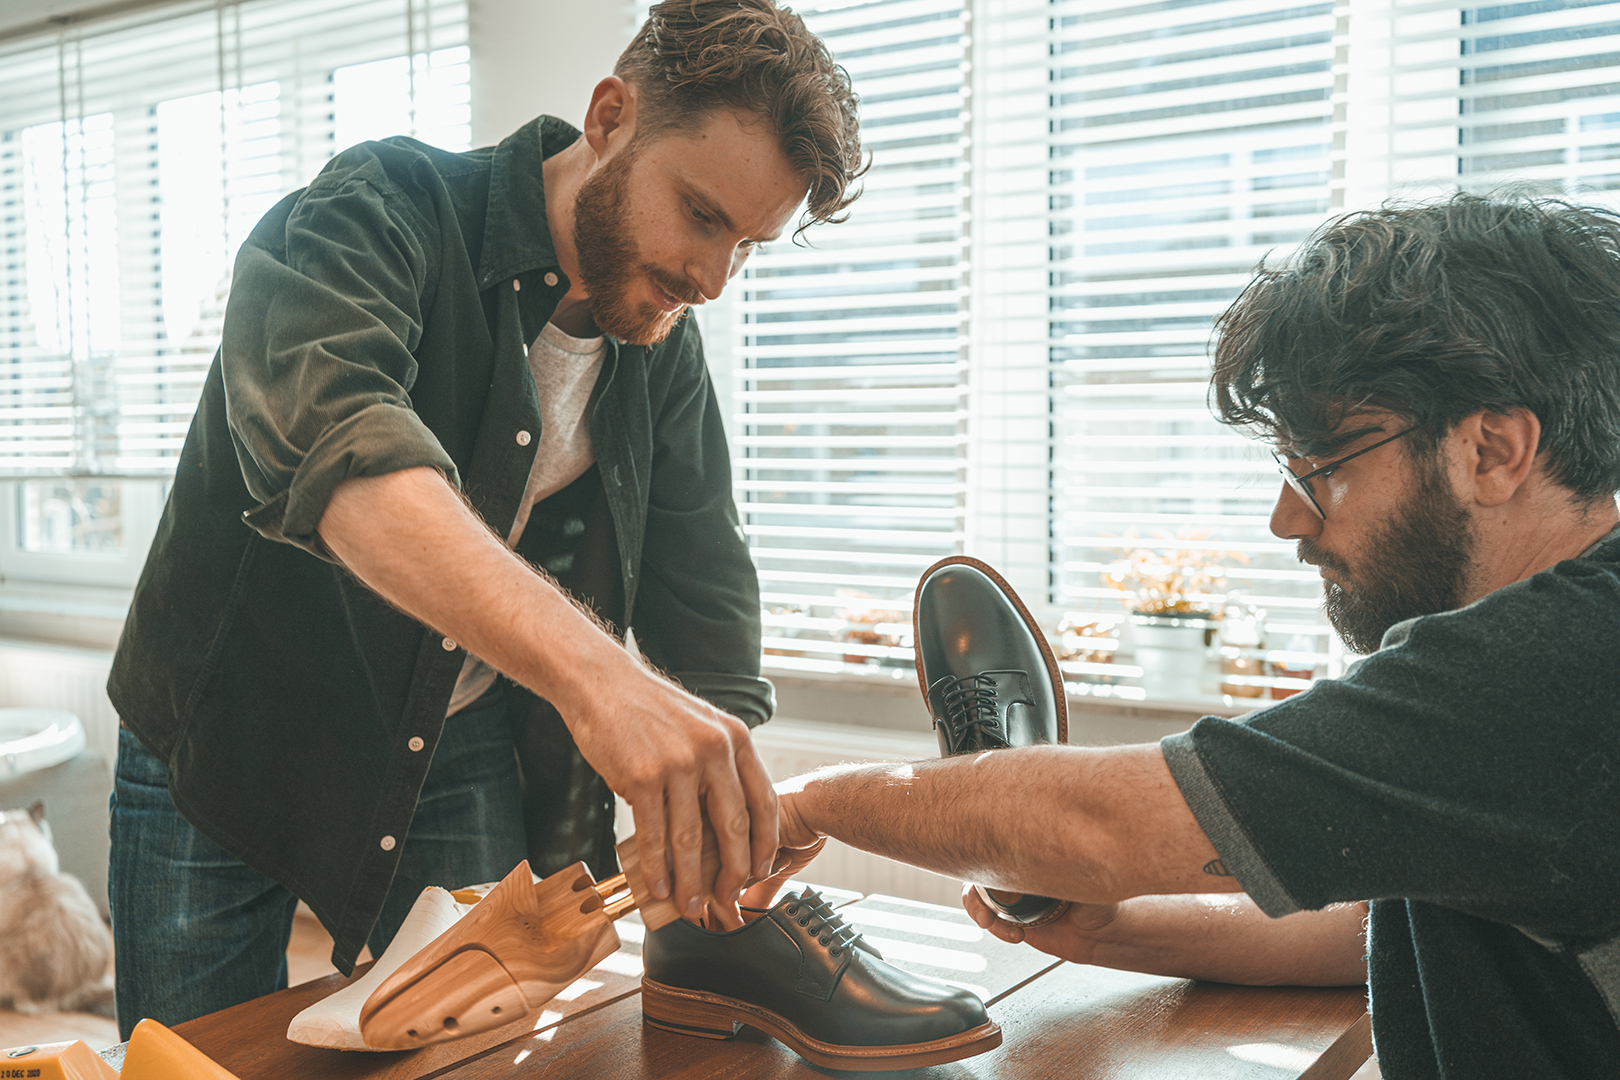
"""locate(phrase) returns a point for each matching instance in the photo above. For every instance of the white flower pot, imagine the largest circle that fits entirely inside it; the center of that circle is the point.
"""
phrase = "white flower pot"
(1174, 653)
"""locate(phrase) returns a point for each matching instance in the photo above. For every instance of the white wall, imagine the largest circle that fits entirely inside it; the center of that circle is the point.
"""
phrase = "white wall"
(540, 56)
(23, 12)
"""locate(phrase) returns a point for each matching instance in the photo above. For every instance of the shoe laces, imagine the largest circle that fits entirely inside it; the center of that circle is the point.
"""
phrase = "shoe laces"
(970, 709)
(829, 928)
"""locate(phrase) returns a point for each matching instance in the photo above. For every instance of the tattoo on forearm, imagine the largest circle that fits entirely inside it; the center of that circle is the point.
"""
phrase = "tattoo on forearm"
(1217, 868)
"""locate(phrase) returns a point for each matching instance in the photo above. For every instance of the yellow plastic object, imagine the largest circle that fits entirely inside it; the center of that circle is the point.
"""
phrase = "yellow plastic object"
(472, 893)
(55, 1061)
(156, 1053)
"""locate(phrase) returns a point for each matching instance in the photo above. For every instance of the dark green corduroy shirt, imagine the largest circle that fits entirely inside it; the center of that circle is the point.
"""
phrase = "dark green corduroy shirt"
(375, 324)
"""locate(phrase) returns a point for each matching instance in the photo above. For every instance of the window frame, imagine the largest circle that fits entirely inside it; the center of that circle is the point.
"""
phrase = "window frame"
(247, 39)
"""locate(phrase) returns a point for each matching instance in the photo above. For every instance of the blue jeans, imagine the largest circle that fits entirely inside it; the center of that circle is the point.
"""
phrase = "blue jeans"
(197, 930)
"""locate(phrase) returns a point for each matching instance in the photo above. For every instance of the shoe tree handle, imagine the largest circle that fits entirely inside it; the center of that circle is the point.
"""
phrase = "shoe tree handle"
(627, 891)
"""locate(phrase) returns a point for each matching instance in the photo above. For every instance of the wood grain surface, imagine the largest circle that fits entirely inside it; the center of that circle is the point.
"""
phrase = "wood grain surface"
(251, 1039)
(1095, 1027)
(1060, 1021)
(1115, 1025)
(613, 1042)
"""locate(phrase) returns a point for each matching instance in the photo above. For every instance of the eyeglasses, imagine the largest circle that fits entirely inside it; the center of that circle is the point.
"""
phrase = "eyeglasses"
(1302, 484)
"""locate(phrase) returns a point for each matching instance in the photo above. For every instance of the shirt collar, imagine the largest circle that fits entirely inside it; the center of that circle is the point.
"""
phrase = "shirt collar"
(1612, 534)
(517, 234)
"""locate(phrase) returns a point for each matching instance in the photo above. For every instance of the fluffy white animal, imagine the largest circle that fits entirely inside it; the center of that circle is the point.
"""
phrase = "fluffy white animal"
(54, 948)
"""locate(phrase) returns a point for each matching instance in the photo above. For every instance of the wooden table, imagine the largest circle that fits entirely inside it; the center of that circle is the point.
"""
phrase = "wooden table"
(1058, 1020)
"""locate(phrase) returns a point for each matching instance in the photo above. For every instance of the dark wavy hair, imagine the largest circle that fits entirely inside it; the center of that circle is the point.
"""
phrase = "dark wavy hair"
(1433, 312)
(692, 57)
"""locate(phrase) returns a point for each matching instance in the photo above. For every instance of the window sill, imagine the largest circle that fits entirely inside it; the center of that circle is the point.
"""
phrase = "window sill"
(86, 616)
(888, 698)
(883, 698)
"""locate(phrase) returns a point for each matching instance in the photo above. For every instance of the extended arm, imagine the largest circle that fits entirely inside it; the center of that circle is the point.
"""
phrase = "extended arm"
(411, 539)
(1096, 825)
(1105, 827)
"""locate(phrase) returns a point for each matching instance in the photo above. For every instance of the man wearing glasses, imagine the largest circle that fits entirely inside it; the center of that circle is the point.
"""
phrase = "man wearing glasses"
(1442, 386)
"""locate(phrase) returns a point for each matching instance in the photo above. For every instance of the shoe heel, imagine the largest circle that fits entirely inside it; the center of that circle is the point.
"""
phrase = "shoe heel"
(685, 1015)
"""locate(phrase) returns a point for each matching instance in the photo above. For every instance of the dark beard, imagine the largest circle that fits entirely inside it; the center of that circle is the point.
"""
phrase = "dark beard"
(609, 261)
(1423, 557)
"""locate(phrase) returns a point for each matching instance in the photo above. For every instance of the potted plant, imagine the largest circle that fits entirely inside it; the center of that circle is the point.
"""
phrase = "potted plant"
(1170, 592)
(873, 625)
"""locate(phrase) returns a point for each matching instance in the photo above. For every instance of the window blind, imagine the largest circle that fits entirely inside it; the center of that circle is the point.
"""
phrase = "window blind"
(1115, 172)
(135, 154)
(1185, 142)
(850, 422)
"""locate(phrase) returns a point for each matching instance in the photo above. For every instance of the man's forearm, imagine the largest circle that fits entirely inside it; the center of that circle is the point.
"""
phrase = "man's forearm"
(409, 537)
(1097, 825)
(1103, 827)
(673, 757)
(1221, 938)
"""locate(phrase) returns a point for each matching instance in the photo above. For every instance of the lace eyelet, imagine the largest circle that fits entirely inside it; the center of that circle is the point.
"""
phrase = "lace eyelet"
(805, 921)
(791, 910)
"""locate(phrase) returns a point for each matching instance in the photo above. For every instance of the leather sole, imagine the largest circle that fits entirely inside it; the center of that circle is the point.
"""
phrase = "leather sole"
(715, 1016)
(1025, 910)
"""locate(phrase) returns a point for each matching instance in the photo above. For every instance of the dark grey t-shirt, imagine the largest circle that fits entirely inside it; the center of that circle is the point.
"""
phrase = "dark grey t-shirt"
(1466, 779)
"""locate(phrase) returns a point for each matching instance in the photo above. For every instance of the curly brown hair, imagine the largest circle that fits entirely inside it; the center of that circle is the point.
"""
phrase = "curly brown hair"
(692, 57)
(1433, 311)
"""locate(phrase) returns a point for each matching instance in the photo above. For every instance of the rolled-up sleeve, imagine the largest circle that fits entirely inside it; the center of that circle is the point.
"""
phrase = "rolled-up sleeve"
(1449, 767)
(325, 310)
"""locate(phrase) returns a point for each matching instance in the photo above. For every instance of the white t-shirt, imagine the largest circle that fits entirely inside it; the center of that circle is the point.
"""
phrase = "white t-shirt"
(565, 370)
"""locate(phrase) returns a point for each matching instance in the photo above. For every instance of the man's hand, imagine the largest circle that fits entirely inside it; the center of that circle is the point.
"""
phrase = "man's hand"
(1071, 936)
(1222, 937)
(409, 536)
(797, 845)
(676, 759)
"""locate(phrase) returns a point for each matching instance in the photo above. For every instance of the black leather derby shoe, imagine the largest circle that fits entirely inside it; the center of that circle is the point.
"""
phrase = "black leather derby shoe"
(990, 681)
(985, 668)
(798, 973)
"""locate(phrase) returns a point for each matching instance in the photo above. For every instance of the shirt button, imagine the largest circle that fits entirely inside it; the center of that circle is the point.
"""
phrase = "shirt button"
(551, 279)
(416, 744)
(387, 843)
(449, 644)
(523, 438)
(516, 285)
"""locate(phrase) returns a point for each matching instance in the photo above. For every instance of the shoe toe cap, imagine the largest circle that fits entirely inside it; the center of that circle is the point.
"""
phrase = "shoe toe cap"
(967, 624)
(887, 1007)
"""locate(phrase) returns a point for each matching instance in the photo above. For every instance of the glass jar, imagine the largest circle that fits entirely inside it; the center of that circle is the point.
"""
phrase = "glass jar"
(1242, 639)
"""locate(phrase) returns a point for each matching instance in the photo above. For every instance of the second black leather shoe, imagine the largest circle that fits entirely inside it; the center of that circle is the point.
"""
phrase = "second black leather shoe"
(983, 664)
(990, 681)
(799, 973)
